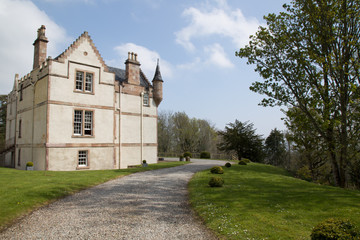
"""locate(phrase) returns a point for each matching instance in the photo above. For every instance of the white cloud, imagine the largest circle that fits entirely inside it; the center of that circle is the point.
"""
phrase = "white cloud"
(147, 59)
(20, 20)
(217, 56)
(191, 65)
(63, 1)
(219, 21)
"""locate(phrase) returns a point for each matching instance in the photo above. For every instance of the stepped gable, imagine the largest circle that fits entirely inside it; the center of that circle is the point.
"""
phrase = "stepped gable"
(76, 44)
(120, 75)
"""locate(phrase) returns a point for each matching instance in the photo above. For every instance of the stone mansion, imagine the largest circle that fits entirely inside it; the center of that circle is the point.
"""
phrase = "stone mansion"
(74, 112)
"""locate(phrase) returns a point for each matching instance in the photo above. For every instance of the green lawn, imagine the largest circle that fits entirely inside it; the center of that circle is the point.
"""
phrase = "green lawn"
(264, 202)
(24, 191)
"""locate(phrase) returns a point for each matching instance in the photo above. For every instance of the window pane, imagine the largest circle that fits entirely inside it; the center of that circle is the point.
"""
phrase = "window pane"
(77, 122)
(21, 92)
(79, 81)
(82, 158)
(146, 99)
(88, 82)
(88, 123)
(19, 129)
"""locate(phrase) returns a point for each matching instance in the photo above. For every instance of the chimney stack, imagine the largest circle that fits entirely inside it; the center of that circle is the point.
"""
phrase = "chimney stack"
(132, 69)
(40, 47)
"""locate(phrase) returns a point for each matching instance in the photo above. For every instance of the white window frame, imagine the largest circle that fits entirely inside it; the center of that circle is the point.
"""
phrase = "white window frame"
(83, 158)
(83, 123)
(78, 122)
(79, 80)
(84, 81)
(89, 79)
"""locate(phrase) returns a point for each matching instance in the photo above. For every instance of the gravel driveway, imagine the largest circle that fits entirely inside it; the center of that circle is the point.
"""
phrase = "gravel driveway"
(148, 205)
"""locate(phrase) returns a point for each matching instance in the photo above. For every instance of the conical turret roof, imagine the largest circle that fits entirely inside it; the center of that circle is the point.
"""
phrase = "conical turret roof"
(157, 75)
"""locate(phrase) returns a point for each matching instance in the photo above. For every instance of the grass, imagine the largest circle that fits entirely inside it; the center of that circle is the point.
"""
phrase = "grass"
(264, 202)
(23, 191)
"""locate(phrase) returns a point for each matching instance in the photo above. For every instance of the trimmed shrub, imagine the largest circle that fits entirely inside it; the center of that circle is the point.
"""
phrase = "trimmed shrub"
(144, 161)
(246, 160)
(187, 154)
(333, 228)
(217, 170)
(29, 164)
(227, 164)
(216, 182)
(205, 155)
(242, 162)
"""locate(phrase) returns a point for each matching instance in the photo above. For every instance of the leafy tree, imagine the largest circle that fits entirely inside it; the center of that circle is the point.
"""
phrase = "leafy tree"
(165, 133)
(309, 59)
(241, 138)
(207, 136)
(185, 132)
(179, 133)
(308, 144)
(275, 148)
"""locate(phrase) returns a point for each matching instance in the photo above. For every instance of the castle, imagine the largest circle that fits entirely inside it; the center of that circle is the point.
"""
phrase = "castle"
(74, 112)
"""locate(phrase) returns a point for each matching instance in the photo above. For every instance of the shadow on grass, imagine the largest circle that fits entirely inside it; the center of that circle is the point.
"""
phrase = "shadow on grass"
(268, 202)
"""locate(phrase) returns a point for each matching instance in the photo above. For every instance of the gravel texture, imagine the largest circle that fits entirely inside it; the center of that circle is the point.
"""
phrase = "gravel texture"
(148, 205)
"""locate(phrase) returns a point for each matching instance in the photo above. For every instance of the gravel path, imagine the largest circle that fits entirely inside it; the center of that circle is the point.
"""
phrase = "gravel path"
(148, 205)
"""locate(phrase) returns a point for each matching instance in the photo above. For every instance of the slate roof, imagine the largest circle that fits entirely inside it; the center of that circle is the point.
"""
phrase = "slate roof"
(120, 75)
(157, 75)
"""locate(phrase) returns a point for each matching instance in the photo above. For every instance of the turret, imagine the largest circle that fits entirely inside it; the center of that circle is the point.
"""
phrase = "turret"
(40, 47)
(158, 85)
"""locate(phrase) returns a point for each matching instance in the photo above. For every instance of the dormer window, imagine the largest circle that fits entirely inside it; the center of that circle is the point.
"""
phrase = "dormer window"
(84, 82)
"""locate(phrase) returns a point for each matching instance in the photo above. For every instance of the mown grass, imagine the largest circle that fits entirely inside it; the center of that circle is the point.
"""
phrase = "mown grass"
(23, 191)
(264, 202)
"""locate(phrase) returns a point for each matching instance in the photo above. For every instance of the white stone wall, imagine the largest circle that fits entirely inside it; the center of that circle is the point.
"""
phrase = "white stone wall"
(65, 159)
(120, 121)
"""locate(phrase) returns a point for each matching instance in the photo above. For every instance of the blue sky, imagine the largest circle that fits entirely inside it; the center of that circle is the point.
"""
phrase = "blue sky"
(194, 40)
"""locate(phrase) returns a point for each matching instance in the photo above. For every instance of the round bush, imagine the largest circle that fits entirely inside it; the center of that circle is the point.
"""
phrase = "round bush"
(29, 164)
(216, 182)
(227, 164)
(242, 162)
(246, 160)
(205, 155)
(217, 170)
(144, 161)
(187, 154)
(333, 228)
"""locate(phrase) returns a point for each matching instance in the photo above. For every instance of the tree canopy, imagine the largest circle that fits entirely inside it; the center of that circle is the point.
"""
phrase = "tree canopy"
(179, 133)
(241, 138)
(275, 148)
(308, 56)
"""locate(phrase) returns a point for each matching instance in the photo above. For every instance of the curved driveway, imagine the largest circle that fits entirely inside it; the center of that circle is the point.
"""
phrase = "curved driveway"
(148, 205)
